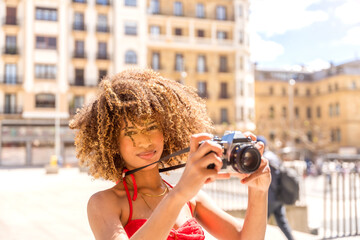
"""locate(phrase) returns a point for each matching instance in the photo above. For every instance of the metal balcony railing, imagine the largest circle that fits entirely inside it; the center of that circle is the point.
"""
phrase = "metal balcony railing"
(102, 56)
(10, 109)
(10, 20)
(11, 50)
(78, 54)
(103, 29)
(79, 26)
(79, 1)
(103, 2)
(11, 80)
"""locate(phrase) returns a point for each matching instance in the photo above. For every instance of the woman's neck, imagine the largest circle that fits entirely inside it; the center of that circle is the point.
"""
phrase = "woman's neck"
(148, 179)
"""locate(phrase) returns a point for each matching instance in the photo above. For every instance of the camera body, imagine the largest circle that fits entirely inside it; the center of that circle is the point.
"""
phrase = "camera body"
(239, 153)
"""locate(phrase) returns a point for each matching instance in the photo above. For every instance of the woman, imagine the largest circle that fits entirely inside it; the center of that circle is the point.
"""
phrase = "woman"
(137, 118)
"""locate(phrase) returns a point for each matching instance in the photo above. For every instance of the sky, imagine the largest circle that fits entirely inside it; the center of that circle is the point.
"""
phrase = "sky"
(288, 34)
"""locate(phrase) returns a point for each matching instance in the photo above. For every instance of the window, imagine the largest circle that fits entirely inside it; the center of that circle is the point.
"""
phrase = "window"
(78, 102)
(202, 89)
(283, 91)
(47, 14)
(45, 42)
(241, 37)
(178, 9)
(308, 112)
(102, 74)
(308, 92)
(221, 35)
(10, 16)
(296, 92)
(154, 30)
(179, 62)
(241, 11)
(10, 103)
(353, 85)
(79, 21)
(102, 50)
(45, 100)
(220, 13)
(271, 112)
(178, 31)
(224, 90)
(79, 1)
(201, 64)
(10, 73)
(271, 90)
(200, 33)
(131, 28)
(338, 135)
(131, 3)
(224, 115)
(309, 136)
(241, 88)
(154, 7)
(200, 10)
(329, 88)
(155, 61)
(337, 109)
(241, 112)
(130, 57)
(10, 45)
(79, 49)
(223, 64)
(45, 71)
(297, 112)
(330, 110)
(102, 25)
(79, 77)
(318, 112)
(284, 112)
(103, 2)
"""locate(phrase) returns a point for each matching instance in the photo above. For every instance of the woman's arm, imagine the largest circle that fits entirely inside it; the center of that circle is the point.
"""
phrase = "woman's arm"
(222, 225)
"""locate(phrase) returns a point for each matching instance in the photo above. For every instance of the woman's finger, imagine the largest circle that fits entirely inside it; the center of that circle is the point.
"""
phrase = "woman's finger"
(196, 139)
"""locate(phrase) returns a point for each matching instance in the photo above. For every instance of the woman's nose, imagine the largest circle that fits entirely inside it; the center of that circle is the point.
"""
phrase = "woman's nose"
(144, 140)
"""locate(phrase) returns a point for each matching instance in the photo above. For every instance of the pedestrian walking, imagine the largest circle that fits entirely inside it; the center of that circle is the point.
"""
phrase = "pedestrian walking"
(275, 206)
(137, 118)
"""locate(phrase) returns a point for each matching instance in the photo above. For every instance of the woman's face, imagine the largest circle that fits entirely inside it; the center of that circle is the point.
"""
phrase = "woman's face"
(141, 144)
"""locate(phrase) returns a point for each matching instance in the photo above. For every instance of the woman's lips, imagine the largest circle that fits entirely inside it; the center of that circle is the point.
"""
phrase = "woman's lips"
(146, 155)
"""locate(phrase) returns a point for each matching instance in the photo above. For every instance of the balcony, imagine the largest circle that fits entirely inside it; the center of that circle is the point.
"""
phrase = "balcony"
(224, 96)
(77, 26)
(79, 82)
(10, 20)
(80, 55)
(11, 80)
(102, 29)
(9, 109)
(102, 56)
(11, 50)
(79, 1)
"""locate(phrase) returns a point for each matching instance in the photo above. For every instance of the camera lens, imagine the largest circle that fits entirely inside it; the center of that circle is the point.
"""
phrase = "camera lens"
(246, 159)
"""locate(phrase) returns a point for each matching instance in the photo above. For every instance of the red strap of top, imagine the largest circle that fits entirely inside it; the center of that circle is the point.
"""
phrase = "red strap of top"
(128, 193)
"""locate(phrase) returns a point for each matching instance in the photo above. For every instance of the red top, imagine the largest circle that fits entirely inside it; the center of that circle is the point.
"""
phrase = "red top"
(190, 230)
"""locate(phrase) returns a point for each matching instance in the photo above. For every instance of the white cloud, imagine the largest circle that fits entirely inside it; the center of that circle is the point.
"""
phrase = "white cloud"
(348, 13)
(262, 50)
(352, 36)
(316, 65)
(279, 16)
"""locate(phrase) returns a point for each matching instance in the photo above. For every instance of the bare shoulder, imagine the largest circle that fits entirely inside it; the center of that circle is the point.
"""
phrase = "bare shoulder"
(109, 203)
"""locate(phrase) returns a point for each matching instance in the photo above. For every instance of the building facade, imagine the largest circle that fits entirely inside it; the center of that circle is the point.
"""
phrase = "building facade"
(318, 111)
(56, 52)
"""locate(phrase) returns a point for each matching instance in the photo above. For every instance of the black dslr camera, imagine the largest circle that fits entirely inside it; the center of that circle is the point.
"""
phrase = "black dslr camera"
(239, 153)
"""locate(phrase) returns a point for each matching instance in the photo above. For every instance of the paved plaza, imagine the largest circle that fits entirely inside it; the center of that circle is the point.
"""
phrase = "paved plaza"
(36, 205)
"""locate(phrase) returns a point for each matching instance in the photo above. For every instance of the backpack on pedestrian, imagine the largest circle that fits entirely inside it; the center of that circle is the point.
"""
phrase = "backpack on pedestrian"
(289, 185)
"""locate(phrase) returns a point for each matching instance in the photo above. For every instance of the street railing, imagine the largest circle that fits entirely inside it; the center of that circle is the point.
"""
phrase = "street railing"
(341, 203)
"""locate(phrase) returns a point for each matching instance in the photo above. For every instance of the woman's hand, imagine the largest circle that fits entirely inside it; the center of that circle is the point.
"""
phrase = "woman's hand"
(261, 178)
(196, 173)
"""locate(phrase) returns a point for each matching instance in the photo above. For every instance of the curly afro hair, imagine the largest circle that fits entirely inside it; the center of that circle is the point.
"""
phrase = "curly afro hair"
(136, 95)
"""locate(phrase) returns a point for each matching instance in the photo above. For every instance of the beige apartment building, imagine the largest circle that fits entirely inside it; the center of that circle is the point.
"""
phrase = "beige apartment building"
(55, 52)
(318, 111)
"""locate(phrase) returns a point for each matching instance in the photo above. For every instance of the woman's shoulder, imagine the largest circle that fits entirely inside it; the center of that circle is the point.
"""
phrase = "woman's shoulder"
(112, 198)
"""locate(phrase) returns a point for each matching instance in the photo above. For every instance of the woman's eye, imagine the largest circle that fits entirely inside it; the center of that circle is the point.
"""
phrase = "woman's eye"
(154, 127)
(130, 133)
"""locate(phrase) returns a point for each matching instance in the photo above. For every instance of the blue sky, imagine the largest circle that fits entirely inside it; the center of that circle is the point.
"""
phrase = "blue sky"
(287, 34)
